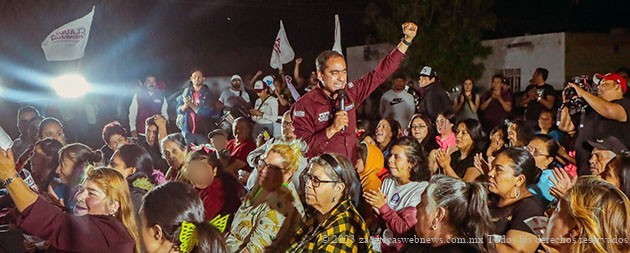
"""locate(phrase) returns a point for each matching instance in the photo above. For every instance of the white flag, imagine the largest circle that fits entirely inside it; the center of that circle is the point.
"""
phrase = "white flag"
(337, 45)
(68, 42)
(282, 52)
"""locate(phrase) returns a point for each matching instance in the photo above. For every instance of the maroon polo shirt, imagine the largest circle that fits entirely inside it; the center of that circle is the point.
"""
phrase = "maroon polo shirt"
(315, 111)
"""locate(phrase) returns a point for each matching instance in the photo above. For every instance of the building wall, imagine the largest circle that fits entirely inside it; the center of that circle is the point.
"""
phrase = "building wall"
(526, 53)
(596, 53)
(363, 59)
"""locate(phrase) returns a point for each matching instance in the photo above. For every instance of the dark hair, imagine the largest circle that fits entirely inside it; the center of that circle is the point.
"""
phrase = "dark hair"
(50, 147)
(524, 132)
(322, 59)
(339, 168)
(399, 75)
(195, 69)
(33, 126)
(133, 155)
(449, 115)
(621, 167)
(184, 204)
(474, 129)
(430, 128)
(45, 122)
(362, 151)
(210, 158)
(414, 153)
(524, 164)
(474, 88)
(25, 109)
(177, 138)
(544, 72)
(466, 207)
(82, 156)
(551, 144)
(395, 126)
(500, 76)
(150, 121)
(113, 128)
(363, 125)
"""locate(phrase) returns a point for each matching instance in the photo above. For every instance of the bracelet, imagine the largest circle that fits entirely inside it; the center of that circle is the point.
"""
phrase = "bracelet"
(8, 181)
(408, 43)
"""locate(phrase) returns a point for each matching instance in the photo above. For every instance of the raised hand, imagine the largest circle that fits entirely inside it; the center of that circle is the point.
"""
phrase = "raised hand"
(409, 30)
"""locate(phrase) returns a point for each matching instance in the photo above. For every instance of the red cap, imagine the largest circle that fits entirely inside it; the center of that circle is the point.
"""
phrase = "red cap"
(615, 78)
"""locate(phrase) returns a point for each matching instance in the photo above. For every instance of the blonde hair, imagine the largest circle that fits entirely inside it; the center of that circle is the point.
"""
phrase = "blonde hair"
(114, 185)
(602, 213)
(291, 152)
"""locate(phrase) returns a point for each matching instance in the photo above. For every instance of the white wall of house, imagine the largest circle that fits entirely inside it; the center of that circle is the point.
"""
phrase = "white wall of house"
(526, 53)
(363, 59)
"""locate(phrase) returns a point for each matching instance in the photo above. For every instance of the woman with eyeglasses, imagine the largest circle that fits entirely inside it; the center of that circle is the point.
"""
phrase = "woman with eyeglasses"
(512, 171)
(444, 125)
(396, 201)
(272, 210)
(543, 148)
(422, 130)
(335, 225)
(218, 190)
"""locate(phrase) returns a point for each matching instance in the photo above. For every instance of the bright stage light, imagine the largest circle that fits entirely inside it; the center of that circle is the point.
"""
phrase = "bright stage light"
(70, 86)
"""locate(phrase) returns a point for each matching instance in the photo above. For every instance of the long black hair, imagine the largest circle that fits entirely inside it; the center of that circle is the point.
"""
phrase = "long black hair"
(133, 155)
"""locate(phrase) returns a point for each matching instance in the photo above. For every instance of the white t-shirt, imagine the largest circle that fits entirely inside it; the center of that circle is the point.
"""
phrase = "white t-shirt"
(401, 196)
(399, 106)
(227, 94)
(269, 109)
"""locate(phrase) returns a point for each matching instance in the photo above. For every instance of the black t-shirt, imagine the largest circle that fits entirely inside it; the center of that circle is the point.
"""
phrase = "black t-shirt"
(513, 217)
(460, 166)
(607, 127)
(585, 131)
(535, 107)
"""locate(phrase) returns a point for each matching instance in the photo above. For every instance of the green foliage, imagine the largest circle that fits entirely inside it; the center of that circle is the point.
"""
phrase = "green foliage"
(449, 36)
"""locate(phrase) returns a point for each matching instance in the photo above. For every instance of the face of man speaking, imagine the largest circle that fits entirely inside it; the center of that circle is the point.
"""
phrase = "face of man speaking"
(335, 75)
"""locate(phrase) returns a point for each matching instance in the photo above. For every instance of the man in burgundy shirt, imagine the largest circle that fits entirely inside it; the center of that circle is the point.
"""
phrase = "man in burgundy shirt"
(317, 118)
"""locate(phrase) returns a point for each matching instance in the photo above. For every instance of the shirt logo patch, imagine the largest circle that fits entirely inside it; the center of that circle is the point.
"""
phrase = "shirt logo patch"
(395, 199)
(298, 114)
(350, 85)
(323, 116)
(157, 100)
(396, 101)
(349, 107)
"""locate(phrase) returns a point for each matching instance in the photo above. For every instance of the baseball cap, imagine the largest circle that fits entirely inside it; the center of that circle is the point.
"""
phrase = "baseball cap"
(234, 77)
(609, 143)
(259, 86)
(428, 71)
(612, 77)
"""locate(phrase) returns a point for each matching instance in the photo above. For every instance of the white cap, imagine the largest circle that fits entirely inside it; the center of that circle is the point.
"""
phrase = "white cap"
(236, 77)
(259, 85)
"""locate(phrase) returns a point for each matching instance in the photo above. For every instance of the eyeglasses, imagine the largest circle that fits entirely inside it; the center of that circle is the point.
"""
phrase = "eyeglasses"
(262, 165)
(287, 123)
(316, 182)
(418, 126)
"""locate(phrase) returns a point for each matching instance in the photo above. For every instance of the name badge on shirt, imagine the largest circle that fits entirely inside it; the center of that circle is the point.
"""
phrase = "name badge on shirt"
(157, 100)
(323, 117)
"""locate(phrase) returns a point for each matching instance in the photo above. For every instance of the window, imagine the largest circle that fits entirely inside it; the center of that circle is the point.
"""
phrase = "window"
(514, 78)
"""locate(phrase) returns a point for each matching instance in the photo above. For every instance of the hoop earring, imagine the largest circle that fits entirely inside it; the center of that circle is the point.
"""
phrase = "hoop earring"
(517, 194)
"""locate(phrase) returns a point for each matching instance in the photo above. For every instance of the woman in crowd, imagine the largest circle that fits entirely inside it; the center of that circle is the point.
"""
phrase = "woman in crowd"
(457, 213)
(218, 190)
(178, 226)
(498, 141)
(265, 111)
(51, 128)
(593, 216)
(335, 225)
(446, 139)
(272, 210)
(421, 128)
(74, 160)
(240, 147)
(460, 164)
(519, 133)
(108, 227)
(174, 151)
(386, 135)
(400, 193)
(543, 148)
(512, 171)
(135, 164)
(44, 161)
(547, 125)
(467, 103)
(155, 130)
(617, 172)
(114, 135)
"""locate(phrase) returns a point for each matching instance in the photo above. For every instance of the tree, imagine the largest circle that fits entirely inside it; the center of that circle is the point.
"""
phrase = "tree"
(449, 38)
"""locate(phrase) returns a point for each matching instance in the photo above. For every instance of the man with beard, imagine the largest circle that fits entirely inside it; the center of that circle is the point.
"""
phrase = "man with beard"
(330, 128)
(197, 110)
(235, 99)
(145, 103)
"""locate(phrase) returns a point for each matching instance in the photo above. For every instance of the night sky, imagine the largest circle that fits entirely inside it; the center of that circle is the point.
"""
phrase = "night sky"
(130, 39)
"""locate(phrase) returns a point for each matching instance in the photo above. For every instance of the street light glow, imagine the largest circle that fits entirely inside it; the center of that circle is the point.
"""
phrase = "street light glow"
(70, 86)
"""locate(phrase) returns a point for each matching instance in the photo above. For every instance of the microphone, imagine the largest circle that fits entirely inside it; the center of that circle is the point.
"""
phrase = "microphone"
(341, 96)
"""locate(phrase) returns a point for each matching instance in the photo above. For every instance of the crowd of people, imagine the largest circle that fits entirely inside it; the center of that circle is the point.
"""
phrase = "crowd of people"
(469, 172)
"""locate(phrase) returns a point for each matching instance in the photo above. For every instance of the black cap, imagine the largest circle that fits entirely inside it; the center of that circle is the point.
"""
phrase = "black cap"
(609, 143)
(428, 71)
